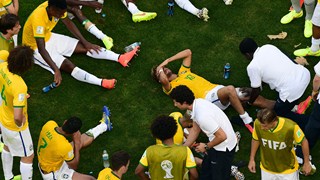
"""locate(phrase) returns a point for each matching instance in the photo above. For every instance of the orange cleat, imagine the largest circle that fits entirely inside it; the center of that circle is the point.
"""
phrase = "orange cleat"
(125, 58)
(108, 83)
(303, 106)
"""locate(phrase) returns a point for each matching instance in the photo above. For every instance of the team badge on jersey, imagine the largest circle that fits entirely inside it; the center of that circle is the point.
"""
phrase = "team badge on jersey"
(39, 29)
(21, 97)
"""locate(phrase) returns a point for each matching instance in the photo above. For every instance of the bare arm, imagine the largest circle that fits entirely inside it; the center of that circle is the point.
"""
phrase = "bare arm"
(254, 147)
(76, 137)
(45, 55)
(193, 174)
(19, 117)
(93, 4)
(220, 136)
(140, 172)
(193, 135)
(315, 87)
(306, 168)
(13, 8)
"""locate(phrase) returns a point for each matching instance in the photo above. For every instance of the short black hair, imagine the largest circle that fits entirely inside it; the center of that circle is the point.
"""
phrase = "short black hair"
(248, 45)
(7, 22)
(61, 4)
(182, 94)
(154, 73)
(72, 125)
(164, 127)
(119, 159)
(20, 59)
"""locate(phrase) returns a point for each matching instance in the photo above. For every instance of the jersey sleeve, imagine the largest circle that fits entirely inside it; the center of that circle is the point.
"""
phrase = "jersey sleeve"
(38, 25)
(298, 135)
(254, 76)
(144, 161)
(317, 69)
(19, 95)
(69, 155)
(254, 133)
(184, 69)
(190, 162)
(6, 3)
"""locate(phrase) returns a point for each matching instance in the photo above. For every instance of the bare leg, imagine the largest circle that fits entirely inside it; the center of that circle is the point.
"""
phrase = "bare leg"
(262, 102)
(228, 94)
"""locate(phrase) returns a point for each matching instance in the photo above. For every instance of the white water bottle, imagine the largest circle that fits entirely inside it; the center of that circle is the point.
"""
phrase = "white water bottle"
(98, 11)
(105, 159)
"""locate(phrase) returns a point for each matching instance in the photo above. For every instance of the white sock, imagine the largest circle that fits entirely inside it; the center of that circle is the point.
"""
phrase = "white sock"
(133, 8)
(7, 164)
(104, 54)
(15, 40)
(99, 129)
(315, 44)
(95, 31)
(26, 170)
(188, 6)
(84, 76)
(246, 118)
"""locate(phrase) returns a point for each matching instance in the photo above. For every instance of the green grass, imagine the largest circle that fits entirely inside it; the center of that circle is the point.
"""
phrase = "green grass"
(137, 99)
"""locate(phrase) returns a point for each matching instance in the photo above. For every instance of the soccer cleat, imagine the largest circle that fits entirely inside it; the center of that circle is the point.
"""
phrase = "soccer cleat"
(17, 177)
(290, 16)
(203, 14)
(105, 118)
(125, 58)
(108, 83)
(228, 2)
(1, 146)
(307, 29)
(108, 42)
(143, 16)
(303, 106)
(306, 52)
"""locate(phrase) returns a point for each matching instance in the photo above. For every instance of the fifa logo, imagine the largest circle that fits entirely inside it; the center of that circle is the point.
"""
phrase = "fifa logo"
(166, 165)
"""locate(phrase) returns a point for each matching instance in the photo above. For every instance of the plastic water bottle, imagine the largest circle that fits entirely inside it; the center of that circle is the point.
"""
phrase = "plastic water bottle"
(226, 73)
(98, 11)
(105, 159)
(132, 46)
(49, 87)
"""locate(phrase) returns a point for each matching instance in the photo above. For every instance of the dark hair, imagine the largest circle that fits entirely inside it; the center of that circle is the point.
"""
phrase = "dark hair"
(60, 4)
(154, 73)
(119, 159)
(164, 127)
(8, 21)
(182, 94)
(20, 59)
(266, 116)
(72, 125)
(248, 45)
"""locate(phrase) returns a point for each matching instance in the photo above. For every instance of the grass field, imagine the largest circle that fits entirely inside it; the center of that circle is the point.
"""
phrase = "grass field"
(137, 99)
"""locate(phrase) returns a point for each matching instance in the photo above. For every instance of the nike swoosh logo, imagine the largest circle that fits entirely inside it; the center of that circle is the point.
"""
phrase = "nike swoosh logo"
(142, 14)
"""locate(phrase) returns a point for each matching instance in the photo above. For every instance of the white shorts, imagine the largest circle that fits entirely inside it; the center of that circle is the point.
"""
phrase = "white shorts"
(316, 16)
(212, 96)
(58, 47)
(19, 142)
(64, 173)
(270, 176)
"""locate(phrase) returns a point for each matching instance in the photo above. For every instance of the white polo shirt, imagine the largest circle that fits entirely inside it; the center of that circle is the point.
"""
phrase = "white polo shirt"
(271, 66)
(210, 118)
(317, 71)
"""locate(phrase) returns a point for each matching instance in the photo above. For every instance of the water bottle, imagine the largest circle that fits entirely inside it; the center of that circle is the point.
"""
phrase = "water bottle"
(98, 11)
(49, 87)
(170, 8)
(105, 159)
(236, 173)
(132, 46)
(226, 73)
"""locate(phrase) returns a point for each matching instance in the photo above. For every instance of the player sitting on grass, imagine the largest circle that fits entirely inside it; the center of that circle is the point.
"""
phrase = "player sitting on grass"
(58, 158)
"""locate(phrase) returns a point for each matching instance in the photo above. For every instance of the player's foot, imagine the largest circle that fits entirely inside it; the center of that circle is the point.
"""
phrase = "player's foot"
(303, 106)
(306, 52)
(106, 118)
(143, 16)
(290, 16)
(108, 42)
(17, 177)
(1, 147)
(307, 29)
(125, 58)
(108, 83)
(203, 14)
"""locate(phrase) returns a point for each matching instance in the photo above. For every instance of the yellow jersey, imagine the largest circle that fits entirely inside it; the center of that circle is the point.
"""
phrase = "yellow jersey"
(53, 148)
(3, 56)
(107, 174)
(178, 137)
(273, 145)
(6, 44)
(13, 91)
(3, 5)
(197, 84)
(38, 25)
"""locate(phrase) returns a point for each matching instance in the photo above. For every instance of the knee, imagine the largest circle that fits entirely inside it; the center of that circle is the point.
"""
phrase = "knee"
(28, 159)
(231, 90)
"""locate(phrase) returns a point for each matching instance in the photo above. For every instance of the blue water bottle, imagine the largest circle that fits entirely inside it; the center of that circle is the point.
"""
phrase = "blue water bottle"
(226, 73)
(49, 87)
